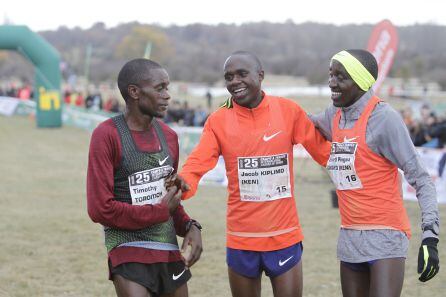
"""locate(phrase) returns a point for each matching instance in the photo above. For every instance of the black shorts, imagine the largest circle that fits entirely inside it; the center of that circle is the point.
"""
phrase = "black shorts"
(158, 278)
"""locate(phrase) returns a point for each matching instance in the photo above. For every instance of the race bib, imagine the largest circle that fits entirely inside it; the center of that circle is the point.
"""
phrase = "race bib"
(264, 178)
(341, 166)
(147, 187)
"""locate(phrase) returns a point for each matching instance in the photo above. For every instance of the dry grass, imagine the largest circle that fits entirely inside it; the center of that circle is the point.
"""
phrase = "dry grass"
(49, 247)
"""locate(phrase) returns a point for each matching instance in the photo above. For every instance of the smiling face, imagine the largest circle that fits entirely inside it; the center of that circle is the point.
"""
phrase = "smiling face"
(152, 94)
(243, 77)
(344, 91)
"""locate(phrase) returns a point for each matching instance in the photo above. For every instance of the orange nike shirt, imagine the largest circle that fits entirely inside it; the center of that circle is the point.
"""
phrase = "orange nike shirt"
(257, 147)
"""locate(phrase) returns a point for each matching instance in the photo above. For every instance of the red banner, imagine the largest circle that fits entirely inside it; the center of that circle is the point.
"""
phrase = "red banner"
(383, 44)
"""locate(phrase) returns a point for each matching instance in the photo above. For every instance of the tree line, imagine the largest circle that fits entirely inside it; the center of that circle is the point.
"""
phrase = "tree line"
(196, 52)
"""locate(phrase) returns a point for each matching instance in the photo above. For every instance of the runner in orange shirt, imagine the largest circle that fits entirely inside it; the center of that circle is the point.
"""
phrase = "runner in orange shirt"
(255, 134)
(370, 143)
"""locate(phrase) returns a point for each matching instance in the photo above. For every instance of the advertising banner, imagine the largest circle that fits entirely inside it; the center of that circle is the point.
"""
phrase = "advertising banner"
(383, 44)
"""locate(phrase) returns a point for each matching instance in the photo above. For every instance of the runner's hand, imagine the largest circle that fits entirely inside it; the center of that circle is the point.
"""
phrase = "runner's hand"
(176, 180)
(172, 199)
(170, 181)
(192, 246)
(181, 183)
(428, 262)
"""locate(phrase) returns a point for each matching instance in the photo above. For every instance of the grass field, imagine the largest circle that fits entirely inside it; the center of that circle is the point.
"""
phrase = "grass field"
(49, 246)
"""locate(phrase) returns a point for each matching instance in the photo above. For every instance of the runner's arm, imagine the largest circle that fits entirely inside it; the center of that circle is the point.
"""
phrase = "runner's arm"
(103, 157)
(180, 219)
(324, 121)
(390, 139)
(305, 133)
(203, 158)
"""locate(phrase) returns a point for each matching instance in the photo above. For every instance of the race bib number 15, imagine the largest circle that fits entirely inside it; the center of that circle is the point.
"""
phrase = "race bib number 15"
(264, 178)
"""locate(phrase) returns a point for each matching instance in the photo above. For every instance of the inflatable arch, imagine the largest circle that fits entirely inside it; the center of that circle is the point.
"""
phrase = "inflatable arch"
(47, 72)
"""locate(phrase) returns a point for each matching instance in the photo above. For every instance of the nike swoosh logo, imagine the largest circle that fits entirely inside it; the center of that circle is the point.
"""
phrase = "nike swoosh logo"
(175, 277)
(268, 138)
(161, 162)
(281, 263)
(349, 139)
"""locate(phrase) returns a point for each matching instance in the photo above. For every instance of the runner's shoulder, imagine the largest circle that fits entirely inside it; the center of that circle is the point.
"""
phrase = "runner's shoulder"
(105, 135)
(288, 105)
(223, 109)
(168, 131)
(385, 113)
(107, 127)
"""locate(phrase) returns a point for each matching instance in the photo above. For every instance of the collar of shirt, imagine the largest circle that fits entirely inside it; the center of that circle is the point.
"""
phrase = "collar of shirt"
(353, 112)
(264, 105)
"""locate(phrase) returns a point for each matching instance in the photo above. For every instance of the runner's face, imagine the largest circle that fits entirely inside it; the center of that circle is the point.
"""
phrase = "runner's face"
(344, 91)
(243, 80)
(153, 94)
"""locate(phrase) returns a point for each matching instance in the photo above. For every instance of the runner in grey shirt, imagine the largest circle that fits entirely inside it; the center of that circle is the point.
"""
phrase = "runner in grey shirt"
(378, 253)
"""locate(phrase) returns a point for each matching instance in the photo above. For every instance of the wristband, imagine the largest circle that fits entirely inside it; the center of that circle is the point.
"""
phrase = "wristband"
(191, 223)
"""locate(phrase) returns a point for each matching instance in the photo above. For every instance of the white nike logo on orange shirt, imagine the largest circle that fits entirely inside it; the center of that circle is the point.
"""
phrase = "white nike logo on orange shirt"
(268, 138)
(349, 139)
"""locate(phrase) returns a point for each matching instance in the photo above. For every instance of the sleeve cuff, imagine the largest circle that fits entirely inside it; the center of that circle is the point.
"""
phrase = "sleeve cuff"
(427, 234)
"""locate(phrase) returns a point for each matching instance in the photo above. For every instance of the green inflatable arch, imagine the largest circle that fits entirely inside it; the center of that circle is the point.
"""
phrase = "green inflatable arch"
(47, 72)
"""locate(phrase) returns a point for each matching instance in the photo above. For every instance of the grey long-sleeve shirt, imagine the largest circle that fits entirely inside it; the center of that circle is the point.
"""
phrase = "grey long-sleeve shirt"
(387, 135)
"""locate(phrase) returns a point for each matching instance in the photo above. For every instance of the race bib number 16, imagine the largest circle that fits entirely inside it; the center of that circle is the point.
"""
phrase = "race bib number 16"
(341, 166)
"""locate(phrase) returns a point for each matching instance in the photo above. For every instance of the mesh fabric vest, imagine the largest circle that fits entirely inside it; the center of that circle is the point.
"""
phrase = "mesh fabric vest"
(161, 236)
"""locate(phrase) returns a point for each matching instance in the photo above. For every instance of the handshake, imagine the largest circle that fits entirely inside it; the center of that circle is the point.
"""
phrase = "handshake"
(177, 181)
(175, 186)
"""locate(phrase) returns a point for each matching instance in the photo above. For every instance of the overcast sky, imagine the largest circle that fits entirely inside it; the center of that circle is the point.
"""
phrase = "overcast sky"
(49, 15)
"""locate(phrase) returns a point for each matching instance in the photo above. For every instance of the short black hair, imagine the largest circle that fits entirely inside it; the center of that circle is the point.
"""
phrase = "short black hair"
(251, 55)
(134, 72)
(366, 59)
